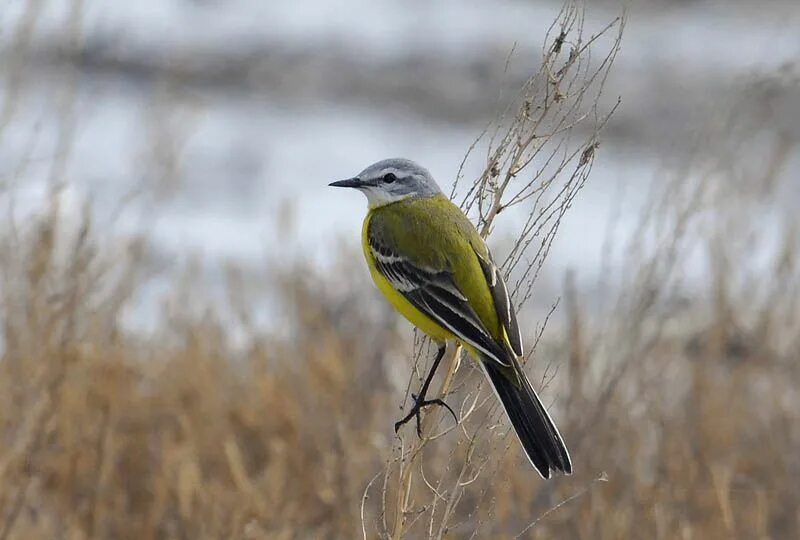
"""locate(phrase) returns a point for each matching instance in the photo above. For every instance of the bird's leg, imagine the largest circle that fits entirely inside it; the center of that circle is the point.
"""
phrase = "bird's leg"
(420, 401)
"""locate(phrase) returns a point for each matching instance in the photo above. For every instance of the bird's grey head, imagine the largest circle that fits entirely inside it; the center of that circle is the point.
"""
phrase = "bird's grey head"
(392, 180)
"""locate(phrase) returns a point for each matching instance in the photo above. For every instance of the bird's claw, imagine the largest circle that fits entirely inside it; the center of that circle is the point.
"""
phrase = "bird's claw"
(417, 409)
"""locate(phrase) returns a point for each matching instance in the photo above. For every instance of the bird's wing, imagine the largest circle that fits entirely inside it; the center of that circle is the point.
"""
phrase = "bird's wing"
(435, 293)
(502, 302)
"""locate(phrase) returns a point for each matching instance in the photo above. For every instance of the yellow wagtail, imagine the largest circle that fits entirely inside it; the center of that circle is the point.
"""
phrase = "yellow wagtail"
(429, 261)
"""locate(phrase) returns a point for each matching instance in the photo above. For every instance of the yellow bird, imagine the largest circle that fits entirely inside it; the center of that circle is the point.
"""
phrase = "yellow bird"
(429, 261)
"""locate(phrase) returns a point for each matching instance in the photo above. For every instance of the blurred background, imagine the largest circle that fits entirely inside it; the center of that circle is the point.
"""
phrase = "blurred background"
(188, 346)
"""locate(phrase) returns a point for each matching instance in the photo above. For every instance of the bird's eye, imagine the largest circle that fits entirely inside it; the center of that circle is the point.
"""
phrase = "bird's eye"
(389, 178)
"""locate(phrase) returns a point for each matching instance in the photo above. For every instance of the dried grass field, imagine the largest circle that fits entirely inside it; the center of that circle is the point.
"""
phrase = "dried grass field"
(677, 391)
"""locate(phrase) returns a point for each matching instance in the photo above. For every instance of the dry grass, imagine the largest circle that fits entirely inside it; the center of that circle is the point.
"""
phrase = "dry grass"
(678, 397)
(689, 408)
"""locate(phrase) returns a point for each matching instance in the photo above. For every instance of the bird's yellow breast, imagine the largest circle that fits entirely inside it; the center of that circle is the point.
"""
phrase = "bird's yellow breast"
(398, 301)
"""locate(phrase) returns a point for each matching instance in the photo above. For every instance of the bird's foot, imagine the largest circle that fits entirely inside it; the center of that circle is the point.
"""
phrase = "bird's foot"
(419, 403)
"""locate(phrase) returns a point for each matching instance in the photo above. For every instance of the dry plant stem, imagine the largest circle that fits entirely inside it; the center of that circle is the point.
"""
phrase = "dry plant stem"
(601, 478)
(537, 157)
(364, 498)
(408, 463)
(19, 49)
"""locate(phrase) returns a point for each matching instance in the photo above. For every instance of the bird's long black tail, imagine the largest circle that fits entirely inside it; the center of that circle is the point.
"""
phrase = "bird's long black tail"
(534, 427)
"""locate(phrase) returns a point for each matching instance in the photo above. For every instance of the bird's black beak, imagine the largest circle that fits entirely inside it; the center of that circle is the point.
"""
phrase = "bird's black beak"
(350, 182)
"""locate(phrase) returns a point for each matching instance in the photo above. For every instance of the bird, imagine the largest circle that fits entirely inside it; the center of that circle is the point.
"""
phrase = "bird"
(432, 265)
